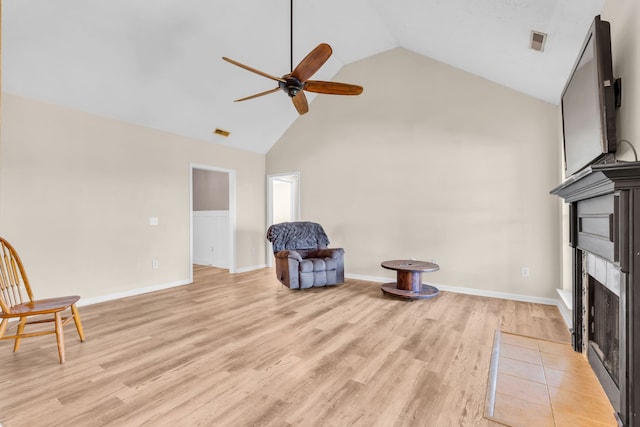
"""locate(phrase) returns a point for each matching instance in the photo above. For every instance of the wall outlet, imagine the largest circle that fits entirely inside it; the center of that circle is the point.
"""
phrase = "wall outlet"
(153, 220)
(154, 264)
(434, 261)
(525, 271)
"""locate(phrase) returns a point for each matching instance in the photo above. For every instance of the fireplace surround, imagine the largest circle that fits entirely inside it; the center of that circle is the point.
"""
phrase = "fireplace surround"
(604, 226)
(602, 319)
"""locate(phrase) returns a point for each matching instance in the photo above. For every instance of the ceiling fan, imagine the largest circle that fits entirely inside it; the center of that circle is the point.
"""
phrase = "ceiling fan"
(297, 81)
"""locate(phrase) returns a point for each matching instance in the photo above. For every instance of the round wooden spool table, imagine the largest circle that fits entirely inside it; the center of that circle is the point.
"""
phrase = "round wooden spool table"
(409, 279)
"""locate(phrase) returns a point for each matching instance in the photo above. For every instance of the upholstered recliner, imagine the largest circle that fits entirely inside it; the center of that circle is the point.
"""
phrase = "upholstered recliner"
(302, 257)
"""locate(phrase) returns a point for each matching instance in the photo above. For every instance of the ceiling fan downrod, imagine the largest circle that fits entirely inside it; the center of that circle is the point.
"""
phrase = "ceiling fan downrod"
(291, 34)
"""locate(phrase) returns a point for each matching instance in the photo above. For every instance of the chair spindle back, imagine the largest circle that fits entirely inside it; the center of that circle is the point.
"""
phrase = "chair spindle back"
(13, 279)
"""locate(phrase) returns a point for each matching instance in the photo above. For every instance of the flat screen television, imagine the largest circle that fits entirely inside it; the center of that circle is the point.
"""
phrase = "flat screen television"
(588, 102)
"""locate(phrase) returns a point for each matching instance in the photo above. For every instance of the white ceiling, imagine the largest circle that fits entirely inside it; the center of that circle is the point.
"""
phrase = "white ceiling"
(158, 63)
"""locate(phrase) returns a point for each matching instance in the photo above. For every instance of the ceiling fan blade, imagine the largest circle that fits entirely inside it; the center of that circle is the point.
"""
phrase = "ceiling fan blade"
(332, 88)
(312, 62)
(300, 102)
(267, 92)
(253, 70)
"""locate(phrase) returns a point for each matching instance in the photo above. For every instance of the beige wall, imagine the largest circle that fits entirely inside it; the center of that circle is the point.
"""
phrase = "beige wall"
(210, 190)
(431, 162)
(77, 192)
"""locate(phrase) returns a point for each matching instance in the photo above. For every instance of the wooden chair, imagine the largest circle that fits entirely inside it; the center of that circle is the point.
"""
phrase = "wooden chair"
(13, 285)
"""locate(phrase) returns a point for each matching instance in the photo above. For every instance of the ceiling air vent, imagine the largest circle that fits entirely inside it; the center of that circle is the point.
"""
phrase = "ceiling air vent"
(538, 40)
(222, 132)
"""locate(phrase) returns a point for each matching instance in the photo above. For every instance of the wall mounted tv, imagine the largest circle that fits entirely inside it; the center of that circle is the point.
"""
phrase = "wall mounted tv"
(588, 102)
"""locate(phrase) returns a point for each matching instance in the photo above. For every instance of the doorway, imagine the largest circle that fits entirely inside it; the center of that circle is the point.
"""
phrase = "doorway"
(283, 202)
(212, 217)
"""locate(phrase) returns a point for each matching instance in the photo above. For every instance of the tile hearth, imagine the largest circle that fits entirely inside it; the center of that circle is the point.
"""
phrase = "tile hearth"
(535, 382)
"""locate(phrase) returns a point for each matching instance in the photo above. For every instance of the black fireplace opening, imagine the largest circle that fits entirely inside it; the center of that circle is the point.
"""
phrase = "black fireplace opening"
(603, 327)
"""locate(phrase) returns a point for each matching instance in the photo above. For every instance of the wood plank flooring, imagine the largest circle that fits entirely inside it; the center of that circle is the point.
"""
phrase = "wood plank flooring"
(241, 350)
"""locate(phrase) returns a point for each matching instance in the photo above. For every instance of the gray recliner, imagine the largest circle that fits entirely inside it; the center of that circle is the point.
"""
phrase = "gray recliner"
(302, 257)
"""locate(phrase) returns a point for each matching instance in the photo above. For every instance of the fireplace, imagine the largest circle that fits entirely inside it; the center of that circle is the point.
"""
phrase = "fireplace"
(601, 319)
(604, 329)
(604, 223)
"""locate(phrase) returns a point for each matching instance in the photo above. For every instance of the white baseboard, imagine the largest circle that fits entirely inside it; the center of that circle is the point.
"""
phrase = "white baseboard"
(130, 293)
(251, 268)
(565, 306)
(146, 290)
(470, 291)
(566, 314)
(368, 278)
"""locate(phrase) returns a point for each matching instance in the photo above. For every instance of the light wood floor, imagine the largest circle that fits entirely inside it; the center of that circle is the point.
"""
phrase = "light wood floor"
(242, 350)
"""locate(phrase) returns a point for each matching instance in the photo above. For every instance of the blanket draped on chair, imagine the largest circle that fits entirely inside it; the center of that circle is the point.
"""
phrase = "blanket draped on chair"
(297, 235)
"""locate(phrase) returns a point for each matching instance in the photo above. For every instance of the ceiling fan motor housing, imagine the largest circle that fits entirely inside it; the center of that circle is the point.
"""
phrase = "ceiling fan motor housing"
(292, 85)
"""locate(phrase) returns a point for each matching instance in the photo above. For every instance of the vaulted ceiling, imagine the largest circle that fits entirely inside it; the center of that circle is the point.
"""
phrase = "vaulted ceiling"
(158, 63)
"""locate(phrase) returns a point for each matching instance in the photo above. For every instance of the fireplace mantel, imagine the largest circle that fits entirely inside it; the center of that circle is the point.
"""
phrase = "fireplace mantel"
(598, 180)
(604, 206)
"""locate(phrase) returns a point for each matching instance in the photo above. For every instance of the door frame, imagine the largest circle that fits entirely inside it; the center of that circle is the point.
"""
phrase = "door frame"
(232, 214)
(296, 205)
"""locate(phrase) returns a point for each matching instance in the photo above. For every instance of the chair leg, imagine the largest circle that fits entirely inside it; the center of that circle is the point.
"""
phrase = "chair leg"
(60, 336)
(3, 327)
(19, 331)
(76, 319)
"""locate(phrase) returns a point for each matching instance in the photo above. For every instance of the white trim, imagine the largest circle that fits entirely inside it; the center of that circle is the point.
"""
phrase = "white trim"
(566, 297)
(251, 268)
(131, 292)
(210, 213)
(214, 260)
(296, 208)
(232, 215)
(495, 294)
(566, 306)
(368, 278)
(469, 291)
